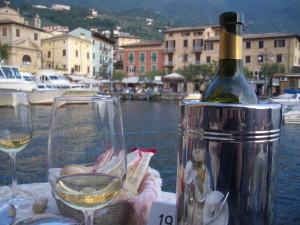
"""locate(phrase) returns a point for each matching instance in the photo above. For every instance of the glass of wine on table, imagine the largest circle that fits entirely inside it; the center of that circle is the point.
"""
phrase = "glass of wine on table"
(15, 134)
(86, 152)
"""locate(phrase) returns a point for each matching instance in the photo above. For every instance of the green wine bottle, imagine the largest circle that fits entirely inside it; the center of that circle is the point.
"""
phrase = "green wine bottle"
(230, 84)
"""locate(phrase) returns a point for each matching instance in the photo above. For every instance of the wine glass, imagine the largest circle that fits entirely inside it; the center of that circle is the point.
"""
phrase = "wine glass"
(15, 134)
(86, 152)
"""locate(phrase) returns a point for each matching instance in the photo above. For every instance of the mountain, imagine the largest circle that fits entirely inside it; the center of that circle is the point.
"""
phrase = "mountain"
(261, 16)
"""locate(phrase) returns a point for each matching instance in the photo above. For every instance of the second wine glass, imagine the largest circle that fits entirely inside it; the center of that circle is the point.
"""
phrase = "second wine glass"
(86, 152)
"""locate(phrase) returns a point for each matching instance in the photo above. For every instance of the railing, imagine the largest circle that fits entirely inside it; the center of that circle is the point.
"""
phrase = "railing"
(169, 63)
(169, 49)
(197, 48)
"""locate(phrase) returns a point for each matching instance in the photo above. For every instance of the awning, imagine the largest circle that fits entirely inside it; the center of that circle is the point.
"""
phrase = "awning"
(173, 76)
(76, 77)
(130, 80)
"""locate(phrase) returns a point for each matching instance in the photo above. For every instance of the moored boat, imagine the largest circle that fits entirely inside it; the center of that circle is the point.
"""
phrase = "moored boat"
(12, 80)
(61, 82)
(44, 94)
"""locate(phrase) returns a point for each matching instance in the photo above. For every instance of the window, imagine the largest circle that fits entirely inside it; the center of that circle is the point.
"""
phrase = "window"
(208, 59)
(76, 53)
(248, 44)
(142, 57)
(153, 68)
(154, 57)
(142, 69)
(35, 36)
(198, 33)
(185, 43)
(88, 69)
(49, 54)
(248, 59)
(185, 57)
(131, 57)
(197, 44)
(88, 55)
(292, 83)
(4, 31)
(64, 53)
(170, 34)
(261, 44)
(278, 58)
(17, 32)
(279, 43)
(209, 46)
(185, 34)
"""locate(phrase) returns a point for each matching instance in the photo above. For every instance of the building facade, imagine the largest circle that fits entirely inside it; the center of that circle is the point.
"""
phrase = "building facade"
(142, 57)
(200, 45)
(190, 45)
(103, 56)
(24, 41)
(67, 53)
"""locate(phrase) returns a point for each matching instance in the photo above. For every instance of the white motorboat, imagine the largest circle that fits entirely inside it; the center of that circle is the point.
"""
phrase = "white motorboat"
(287, 98)
(61, 82)
(291, 114)
(12, 80)
(44, 94)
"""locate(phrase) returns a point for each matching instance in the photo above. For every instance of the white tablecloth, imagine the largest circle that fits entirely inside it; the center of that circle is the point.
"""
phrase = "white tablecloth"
(43, 189)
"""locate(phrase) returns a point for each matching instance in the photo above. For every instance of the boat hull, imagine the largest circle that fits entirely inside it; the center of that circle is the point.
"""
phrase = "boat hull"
(44, 97)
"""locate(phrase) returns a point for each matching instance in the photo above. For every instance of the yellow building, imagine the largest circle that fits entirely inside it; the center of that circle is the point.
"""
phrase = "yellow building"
(281, 48)
(24, 41)
(200, 45)
(67, 53)
(190, 45)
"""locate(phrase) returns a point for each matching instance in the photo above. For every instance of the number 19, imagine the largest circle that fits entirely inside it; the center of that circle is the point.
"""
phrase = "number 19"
(168, 220)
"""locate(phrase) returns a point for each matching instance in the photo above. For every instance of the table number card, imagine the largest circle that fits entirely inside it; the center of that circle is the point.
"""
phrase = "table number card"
(162, 213)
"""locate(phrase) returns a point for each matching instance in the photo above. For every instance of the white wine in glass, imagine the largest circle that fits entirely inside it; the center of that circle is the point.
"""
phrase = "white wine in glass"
(15, 134)
(84, 130)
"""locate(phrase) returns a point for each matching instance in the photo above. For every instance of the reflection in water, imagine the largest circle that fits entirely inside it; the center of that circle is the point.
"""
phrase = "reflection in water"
(155, 125)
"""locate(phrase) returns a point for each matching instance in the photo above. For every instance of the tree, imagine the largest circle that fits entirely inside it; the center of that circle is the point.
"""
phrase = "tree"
(118, 76)
(4, 52)
(268, 70)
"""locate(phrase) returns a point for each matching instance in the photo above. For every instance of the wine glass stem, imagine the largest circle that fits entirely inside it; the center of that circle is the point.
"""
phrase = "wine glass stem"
(88, 217)
(14, 177)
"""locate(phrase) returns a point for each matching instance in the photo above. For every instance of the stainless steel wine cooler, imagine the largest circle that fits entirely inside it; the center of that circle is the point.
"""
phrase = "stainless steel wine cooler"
(227, 163)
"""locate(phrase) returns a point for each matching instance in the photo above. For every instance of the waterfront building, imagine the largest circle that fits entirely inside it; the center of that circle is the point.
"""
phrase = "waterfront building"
(102, 52)
(24, 41)
(68, 53)
(142, 57)
(200, 45)
(120, 41)
(190, 45)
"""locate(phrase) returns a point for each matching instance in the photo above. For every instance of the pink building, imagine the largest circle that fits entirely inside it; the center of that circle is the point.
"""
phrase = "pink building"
(142, 57)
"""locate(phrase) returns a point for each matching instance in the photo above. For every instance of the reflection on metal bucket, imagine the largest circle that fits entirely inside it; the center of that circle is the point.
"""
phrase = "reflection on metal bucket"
(227, 162)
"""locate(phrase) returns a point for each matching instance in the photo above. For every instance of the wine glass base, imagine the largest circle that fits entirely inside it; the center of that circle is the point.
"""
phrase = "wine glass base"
(20, 202)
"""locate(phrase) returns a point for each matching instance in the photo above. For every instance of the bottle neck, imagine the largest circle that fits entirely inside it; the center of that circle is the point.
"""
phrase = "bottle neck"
(231, 42)
(230, 55)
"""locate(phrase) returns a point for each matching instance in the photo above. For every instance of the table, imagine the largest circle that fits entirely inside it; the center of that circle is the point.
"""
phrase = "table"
(43, 189)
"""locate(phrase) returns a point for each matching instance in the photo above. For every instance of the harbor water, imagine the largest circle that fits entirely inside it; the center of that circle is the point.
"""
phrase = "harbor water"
(155, 125)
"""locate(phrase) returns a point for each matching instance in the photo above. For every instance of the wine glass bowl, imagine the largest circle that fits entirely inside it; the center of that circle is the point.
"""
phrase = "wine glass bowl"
(15, 134)
(86, 152)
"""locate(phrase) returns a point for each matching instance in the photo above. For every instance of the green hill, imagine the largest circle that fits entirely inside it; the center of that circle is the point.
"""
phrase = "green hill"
(261, 16)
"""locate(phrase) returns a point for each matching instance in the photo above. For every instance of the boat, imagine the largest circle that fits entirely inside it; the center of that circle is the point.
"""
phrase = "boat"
(291, 114)
(44, 94)
(193, 96)
(61, 82)
(287, 98)
(12, 80)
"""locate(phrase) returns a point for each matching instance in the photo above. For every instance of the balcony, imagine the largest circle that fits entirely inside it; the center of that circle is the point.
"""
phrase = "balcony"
(169, 50)
(169, 63)
(197, 48)
(196, 62)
